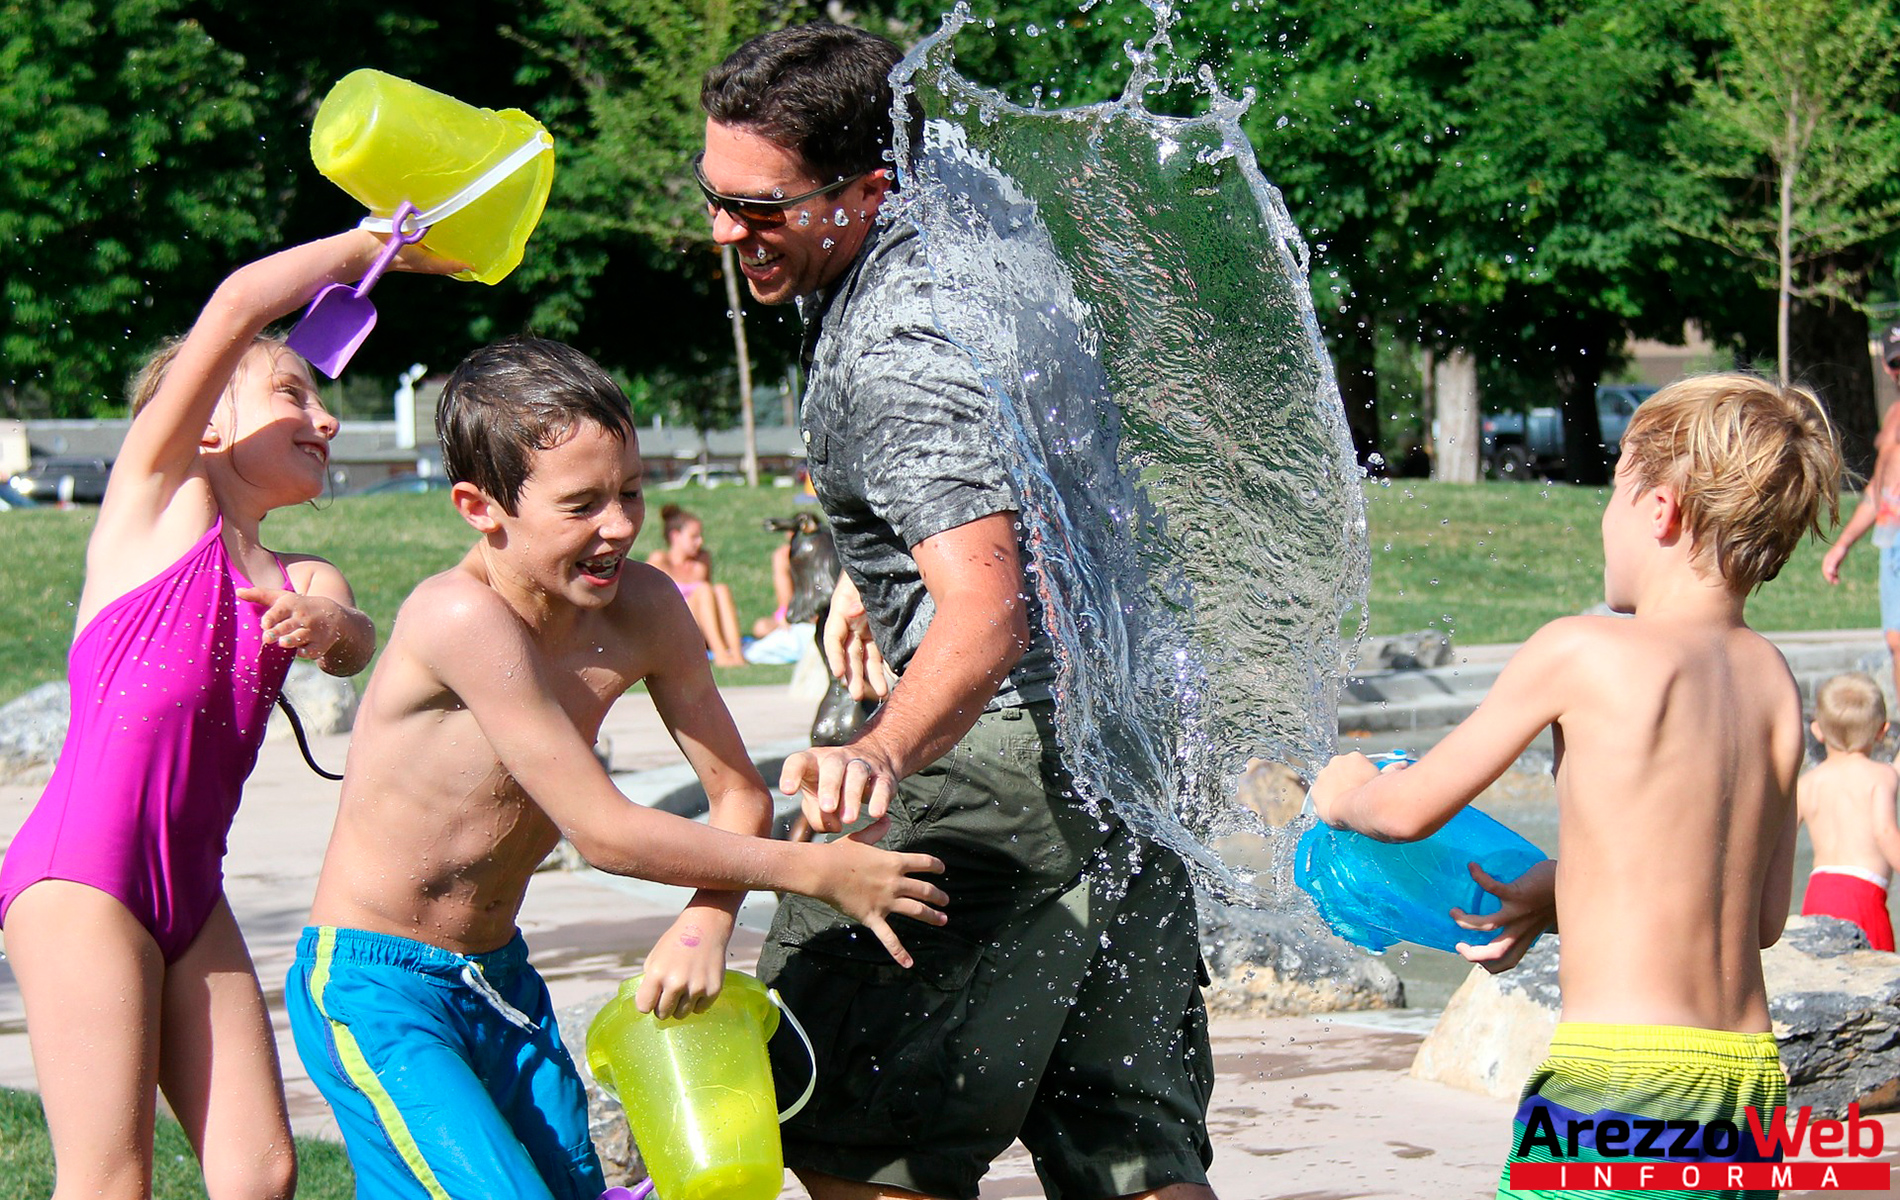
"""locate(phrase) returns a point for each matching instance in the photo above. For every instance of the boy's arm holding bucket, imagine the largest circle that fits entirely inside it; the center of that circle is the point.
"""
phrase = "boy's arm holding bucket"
(687, 965)
(1413, 802)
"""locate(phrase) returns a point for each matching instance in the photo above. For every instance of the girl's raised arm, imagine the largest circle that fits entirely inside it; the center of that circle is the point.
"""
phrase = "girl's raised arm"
(162, 444)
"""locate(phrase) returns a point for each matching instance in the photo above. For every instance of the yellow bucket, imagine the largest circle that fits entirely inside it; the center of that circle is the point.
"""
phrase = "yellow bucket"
(698, 1090)
(479, 178)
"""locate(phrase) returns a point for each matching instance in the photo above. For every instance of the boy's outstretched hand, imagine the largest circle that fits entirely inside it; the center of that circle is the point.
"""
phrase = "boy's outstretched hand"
(869, 885)
(1528, 910)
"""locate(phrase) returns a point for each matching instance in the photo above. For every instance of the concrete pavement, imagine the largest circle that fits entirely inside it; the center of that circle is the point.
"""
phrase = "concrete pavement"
(1304, 1108)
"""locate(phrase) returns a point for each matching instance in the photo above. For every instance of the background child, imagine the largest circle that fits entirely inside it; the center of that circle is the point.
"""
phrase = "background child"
(1678, 740)
(1847, 803)
(1879, 511)
(411, 1000)
(131, 968)
(686, 561)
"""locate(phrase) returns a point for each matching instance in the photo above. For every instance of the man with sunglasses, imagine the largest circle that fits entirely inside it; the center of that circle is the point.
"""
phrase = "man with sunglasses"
(1060, 1004)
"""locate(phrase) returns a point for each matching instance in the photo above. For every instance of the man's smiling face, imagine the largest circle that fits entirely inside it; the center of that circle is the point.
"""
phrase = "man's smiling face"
(818, 238)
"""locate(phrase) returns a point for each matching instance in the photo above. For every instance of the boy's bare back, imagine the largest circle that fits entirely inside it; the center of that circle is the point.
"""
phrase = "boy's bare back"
(435, 839)
(1680, 741)
(1847, 803)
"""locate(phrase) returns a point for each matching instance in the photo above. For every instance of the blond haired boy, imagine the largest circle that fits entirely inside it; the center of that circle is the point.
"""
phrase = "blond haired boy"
(1847, 803)
(1678, 738)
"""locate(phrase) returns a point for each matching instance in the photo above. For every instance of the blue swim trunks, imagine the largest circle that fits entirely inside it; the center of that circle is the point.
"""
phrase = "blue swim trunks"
(446, 1071)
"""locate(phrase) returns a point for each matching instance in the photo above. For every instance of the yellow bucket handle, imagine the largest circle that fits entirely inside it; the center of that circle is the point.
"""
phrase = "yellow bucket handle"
(810, 1087)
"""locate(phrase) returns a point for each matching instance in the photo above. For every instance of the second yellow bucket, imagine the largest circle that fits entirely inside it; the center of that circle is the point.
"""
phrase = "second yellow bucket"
(385, 140)
(698, 1090)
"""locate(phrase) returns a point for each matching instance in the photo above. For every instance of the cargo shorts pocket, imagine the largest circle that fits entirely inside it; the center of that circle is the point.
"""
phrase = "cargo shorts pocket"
(879, 1031)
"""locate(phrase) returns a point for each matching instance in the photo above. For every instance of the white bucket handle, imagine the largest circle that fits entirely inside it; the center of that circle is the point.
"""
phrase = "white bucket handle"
(811, 1055)
(487, 182)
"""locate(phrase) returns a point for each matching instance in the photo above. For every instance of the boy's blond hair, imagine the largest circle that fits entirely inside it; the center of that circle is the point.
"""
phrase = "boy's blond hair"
(1850, 712)
(1752, 465)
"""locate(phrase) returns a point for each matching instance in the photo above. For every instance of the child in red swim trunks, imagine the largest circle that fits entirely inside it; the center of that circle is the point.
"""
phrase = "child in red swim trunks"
(1847, 803)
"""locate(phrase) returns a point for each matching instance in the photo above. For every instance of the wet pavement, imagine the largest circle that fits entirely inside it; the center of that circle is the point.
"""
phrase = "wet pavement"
(1304, 1108)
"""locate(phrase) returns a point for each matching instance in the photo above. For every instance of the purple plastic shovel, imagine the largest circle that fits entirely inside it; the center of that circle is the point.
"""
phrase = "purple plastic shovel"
(341, 316)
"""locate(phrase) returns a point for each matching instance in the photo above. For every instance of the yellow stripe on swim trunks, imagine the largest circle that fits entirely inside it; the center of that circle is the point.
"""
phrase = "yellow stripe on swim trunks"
(364, 1077)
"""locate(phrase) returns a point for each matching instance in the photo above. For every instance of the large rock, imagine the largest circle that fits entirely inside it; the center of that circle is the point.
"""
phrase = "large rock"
(1834, 1002)
(606, 1122)
(32, 728)
(1266, 963)
(324, 703)
(1835, 1006)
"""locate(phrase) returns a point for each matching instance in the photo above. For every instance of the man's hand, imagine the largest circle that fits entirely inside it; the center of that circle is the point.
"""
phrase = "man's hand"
(850, 651)
(310, 625)
(835, 784)
(1528, 911)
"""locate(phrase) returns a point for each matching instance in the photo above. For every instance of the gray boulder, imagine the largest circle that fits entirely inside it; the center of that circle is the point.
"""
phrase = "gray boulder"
(32, 728)
(1419, 651)
(324, 703)
(1835, 1006)
(1266, 963)
(606, 1122)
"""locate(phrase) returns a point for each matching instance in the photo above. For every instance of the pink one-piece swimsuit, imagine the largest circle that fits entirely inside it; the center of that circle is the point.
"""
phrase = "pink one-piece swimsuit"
(172, 687)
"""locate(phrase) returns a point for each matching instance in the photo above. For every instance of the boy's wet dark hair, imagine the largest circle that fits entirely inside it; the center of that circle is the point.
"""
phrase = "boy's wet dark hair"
(823, 90)
(517, 396)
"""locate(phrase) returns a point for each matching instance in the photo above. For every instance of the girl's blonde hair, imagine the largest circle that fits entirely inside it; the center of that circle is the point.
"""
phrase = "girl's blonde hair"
(1752, 464)
(146, 380)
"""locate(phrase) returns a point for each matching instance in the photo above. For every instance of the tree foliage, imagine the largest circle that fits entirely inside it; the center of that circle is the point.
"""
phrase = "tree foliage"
(1795, 144)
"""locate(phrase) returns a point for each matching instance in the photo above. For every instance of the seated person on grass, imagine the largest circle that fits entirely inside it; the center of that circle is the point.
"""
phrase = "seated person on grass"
(411, 999)
(1678, 741)
(1847, 803)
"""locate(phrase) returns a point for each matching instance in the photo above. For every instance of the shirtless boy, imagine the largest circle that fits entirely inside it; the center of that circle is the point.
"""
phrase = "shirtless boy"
(1678, 735)
(1847, 803)
(411, 999)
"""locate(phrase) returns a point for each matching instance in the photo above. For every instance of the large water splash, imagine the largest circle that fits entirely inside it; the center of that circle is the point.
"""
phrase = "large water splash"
(1135, 294)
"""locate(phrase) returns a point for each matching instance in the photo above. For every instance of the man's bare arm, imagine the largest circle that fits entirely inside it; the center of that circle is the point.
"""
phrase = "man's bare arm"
(979, 631)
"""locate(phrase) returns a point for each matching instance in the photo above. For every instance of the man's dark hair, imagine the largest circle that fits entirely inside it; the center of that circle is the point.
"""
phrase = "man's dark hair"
(517, 396)
(823, 90)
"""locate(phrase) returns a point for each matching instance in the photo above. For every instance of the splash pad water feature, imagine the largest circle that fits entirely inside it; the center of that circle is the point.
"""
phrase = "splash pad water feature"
(1190, 496)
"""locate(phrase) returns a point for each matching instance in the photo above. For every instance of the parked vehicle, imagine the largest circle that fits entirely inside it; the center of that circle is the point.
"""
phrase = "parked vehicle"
(709, 475)
(11, 497)
(1531, 445)
(406, 483)
(79, 480)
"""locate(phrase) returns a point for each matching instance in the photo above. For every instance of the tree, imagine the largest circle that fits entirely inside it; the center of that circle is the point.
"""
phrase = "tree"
(1797, 147)
(125, 131)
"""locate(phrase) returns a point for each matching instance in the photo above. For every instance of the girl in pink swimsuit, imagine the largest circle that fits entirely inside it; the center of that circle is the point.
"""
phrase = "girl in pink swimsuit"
(687, 563)
(133, 972)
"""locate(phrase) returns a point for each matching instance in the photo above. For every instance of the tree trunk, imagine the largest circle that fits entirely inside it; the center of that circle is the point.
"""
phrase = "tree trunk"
(1457, 431)
(750, 462)
(1828, 347)
(1354, 356)
(1586, 458)
(1784, 254)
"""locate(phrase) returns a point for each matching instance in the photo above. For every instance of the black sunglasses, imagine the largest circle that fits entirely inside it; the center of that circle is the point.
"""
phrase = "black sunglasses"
(760, 212)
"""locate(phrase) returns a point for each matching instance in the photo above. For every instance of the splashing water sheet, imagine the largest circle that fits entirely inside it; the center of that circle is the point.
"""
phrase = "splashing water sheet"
(1135, 294)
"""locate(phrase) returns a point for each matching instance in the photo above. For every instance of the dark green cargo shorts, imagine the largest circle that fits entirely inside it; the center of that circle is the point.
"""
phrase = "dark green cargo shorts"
(1061, 1004)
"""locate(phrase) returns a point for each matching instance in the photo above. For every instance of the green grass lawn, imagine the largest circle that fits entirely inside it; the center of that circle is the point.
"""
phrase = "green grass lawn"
(26, 1159)
(1489, 563)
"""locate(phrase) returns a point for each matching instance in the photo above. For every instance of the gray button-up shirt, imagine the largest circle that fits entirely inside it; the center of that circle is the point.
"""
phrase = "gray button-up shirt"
(903, 442)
